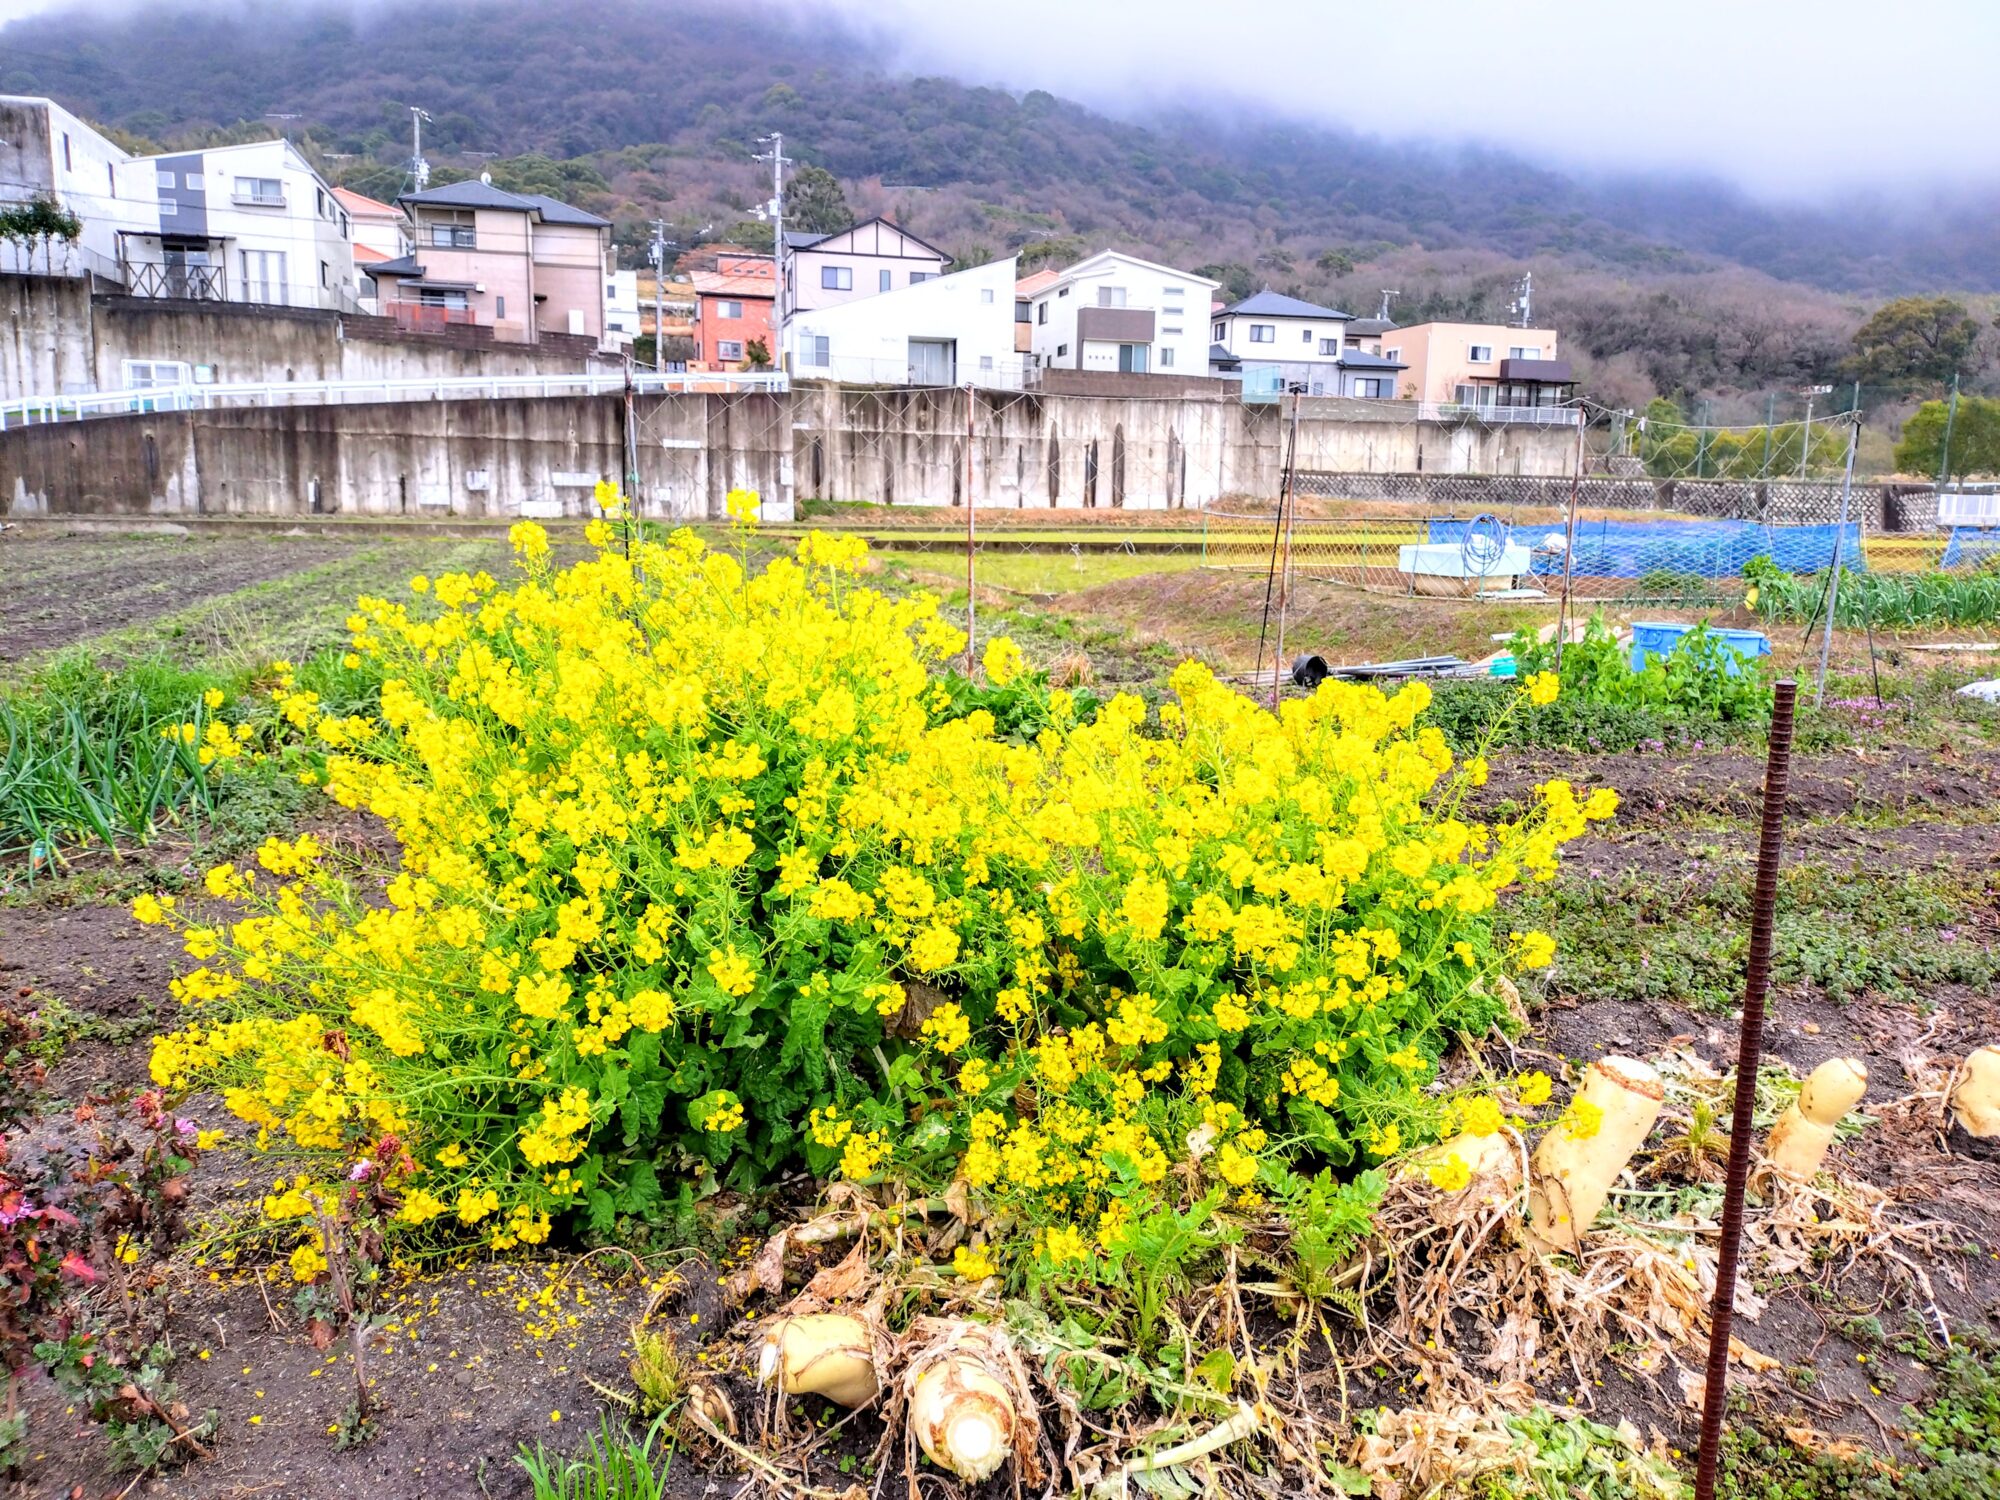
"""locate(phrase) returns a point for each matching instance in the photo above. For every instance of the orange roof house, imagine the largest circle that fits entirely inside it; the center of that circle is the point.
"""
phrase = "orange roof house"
(733, 307)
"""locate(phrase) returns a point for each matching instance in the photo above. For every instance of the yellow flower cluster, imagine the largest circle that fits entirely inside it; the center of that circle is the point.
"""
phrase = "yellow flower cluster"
(701, 875)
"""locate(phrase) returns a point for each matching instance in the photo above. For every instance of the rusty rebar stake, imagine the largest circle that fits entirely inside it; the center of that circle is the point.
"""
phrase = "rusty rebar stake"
(1749, 1055)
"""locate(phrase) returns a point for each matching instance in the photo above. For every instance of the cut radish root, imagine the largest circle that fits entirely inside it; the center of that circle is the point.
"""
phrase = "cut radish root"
(1583, 1154)
(819, 1354)
(1494, 1160)
(963, 1412)
(1799, 1140)
(1975, 1095)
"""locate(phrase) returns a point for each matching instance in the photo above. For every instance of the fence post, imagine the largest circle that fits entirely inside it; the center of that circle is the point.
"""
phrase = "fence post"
(1839, 538)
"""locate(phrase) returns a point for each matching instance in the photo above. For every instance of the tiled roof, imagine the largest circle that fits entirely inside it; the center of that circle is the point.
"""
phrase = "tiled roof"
(1269, 304)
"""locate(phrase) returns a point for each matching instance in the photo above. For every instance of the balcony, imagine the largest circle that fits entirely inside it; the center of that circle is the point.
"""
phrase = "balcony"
(194, 283)
(418, 317)
(1115, 325)
(257, 200)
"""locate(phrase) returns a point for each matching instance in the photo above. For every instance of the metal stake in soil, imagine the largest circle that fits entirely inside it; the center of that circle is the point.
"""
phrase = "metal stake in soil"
(1749, 1054)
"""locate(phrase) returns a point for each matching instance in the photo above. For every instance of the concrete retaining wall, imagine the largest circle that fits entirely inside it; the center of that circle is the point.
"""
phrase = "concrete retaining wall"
(542, 455)
(56, 338)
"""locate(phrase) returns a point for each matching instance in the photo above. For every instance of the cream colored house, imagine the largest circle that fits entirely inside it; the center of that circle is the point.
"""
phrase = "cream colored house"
(1480, 364)
(522, 264)
(872, 257)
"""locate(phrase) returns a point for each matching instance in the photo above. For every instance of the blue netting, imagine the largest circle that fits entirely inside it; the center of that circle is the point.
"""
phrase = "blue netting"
(1971, 547)
(1701, 549)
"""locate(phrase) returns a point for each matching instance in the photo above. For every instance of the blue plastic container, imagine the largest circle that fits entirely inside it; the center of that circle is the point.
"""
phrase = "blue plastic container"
(1502, 666)
(1659, 639)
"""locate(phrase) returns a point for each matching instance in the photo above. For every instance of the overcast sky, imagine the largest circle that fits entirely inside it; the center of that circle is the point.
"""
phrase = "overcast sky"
(1782, 96)
(1788, 97)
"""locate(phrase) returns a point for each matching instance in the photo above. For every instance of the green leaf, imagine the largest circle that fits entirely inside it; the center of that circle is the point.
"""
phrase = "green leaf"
(642, 1189)
(603, 1209)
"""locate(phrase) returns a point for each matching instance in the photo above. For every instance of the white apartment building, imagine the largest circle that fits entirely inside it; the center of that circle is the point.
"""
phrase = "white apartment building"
(251, 223)
(1286, 341)
(872, 257)
(1118, 312)
(621, 308)
(47, 152)
(944, 330)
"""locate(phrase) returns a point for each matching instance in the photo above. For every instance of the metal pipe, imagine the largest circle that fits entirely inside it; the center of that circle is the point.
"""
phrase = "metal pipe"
(1839, 538)
(1749, 1055)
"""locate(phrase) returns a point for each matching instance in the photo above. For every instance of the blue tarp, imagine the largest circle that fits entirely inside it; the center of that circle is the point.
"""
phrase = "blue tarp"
(1971, 547)
(1702, 549)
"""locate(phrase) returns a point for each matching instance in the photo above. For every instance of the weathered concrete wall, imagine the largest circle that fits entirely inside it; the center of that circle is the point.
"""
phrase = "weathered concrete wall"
(541, 456)
(522, 456)
(60, 340)
(45, 344)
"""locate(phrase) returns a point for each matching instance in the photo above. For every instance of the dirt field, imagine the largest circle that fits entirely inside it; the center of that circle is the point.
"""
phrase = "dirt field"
(479, 1357)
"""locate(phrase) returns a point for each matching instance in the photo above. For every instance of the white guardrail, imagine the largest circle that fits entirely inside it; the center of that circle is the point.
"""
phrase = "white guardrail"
(32, 410)
(1533, 416)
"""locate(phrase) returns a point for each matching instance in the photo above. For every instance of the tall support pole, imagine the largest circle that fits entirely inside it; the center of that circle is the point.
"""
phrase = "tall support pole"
(1749, 1055)
(1770, 420)
(1839, 539)
(659, 259)
(1286, 505)
(1950, 417)
(1569, 543)
(779, 161)
(1805, 444)
(971, 578)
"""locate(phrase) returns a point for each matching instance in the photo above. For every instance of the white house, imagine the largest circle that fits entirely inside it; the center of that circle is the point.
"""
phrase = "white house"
(251, 223)
(47, 152)
(947, 330)
(1117, 312)
(872, 257)
(381, 232)
(1285, 341)
(621, 308)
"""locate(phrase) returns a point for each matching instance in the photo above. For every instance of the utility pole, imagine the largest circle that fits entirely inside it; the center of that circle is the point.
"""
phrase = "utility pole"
(1805, 443)
(420, 170)
(657, 254)
(1524, 301)
(776, 210)
(1387, 293)
(1950, 416)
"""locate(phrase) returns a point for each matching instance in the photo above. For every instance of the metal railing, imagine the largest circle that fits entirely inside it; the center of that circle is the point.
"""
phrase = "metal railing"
(1533, 416)
(35, 410)
(418, 317)
(190, 283)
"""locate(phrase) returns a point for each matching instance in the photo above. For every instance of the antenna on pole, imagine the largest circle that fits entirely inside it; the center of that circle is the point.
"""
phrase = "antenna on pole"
(656, 255)
(775, 211)
(1524, 298)
(420, 170)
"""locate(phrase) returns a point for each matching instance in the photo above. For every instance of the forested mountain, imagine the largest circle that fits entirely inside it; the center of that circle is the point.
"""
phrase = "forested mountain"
(634, 110)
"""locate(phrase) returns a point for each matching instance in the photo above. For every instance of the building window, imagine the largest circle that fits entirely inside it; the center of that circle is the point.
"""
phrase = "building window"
(917, 276)
(325, 274)
(168, 208)
(260, 192)
(1392, 354)
(1215, 333)
(611, 292)
(1480, 354)
(1166, 359)
(66, 161)
(345, 228)
(1172, 291)
(1111, 296)
(1021, 311)
(728, 348)
(818, 349)
(1522, 352)
(263, 275)
(1329, 346)
(1062, 351)
(882, 280)
(1170, 332)
(1263, 333)
(729, 309)
(986, 362)
(1370, 388)
(1042, 312)
(1062, 291)
(499, 308)
(836, 278)
(453, 298)
(453, 237)
(1306, 334)
(319, 202)
(167, 180)
(986, 296)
